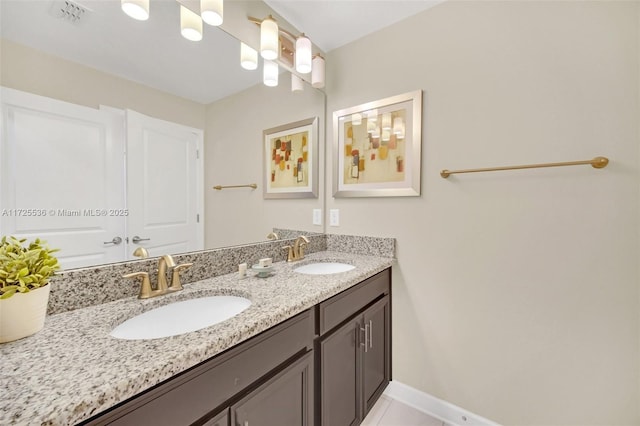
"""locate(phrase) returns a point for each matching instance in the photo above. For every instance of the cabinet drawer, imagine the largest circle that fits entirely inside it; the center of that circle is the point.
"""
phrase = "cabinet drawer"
(188, 397)
(343, 305)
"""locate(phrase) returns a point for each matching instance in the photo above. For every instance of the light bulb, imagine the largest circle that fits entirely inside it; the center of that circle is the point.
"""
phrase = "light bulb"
(248, 57)
(317, 72)
(190, 24)
(296, 83)
(270, 73)
(269, 42)
(137, 9)
(303, 55)
(212, 11)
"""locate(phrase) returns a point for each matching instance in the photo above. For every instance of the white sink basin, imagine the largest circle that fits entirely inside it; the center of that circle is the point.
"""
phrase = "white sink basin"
(181, 317)
(324, 268)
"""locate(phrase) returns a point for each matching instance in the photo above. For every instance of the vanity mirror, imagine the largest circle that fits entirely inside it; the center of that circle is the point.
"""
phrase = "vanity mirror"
(169, 103)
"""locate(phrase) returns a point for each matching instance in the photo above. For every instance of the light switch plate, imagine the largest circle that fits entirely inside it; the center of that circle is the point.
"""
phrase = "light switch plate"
(334, 217)
(317, 216)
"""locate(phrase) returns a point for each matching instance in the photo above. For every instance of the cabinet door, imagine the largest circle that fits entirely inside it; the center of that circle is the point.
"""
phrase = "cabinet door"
(339, 367)
(286, 399)
(377, 352)
(221, 419)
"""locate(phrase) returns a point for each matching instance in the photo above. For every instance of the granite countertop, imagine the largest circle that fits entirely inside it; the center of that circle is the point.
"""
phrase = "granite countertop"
(73, 369)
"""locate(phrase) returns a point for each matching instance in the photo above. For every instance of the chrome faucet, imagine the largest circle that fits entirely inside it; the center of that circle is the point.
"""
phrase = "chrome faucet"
(162, 287)
(296, 252)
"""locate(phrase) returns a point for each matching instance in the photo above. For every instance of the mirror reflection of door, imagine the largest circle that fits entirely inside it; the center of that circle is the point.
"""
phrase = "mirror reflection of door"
(63, 179)
(164, 187)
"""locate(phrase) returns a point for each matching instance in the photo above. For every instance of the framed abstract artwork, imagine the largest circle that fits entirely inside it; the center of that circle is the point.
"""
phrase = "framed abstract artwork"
(377, 148)
(291, 160)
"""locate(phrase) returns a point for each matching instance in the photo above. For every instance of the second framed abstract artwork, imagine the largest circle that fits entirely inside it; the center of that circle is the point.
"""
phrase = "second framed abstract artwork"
(291, 160)
(377, 148)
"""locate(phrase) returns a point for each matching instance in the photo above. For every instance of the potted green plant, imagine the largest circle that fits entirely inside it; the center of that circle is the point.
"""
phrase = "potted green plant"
(25, 271)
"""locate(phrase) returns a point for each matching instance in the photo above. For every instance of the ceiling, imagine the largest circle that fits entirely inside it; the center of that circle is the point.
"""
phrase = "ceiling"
(154, 53)
(334, 23)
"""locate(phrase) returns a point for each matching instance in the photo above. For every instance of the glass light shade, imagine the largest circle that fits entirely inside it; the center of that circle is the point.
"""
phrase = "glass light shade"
(398, 125)
(386, 121)
(386, 135)
(269, 42)
(212, 11)
(248, 57)
(303, 54)
(296, 83)
(270, 73)
(371, 126)
(356, 119)
(317, 72)
(190, 24)
(137, 9)
(372, 115)
(376, 132)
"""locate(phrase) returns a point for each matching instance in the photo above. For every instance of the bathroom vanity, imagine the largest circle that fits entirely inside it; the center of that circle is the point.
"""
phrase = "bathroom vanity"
(270, 380)
(310, 350)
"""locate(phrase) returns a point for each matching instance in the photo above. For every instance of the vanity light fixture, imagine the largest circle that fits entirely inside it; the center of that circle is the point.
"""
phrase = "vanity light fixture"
(376, 132)
(269, 41)
(303, 54)
(248, 57)
(270, 73)
(296, 83)
(212, 11)
(190, 24)
(317, 72)
(356, 119)
(137, 9)
(386, 135)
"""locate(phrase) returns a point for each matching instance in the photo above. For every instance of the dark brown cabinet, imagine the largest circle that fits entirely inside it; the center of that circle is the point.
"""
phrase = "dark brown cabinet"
(286, 399)
(221, 419)
(355, 357)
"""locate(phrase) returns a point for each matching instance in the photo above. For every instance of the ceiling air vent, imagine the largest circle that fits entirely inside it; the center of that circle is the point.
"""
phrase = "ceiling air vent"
(69, 11)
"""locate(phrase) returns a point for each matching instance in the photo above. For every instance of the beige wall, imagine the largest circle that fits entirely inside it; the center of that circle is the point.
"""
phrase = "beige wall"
(233, 154)
(31, 70)
(516, 294)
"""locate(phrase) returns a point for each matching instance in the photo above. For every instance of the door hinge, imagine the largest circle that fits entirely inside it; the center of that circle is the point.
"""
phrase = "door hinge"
(197, 154)
(198, 218)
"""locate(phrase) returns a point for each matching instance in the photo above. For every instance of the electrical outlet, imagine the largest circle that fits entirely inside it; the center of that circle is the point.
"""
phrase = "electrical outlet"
(317, 216)
(334, 217)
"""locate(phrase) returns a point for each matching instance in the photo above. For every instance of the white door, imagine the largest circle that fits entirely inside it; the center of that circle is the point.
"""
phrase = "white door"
(62, 177)
(164, 186)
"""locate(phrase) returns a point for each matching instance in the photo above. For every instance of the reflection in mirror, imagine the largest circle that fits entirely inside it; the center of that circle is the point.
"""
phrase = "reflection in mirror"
(115, 132)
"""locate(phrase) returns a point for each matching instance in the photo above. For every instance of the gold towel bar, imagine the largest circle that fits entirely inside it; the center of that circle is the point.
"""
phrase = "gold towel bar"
(251, 185)
(596, 163)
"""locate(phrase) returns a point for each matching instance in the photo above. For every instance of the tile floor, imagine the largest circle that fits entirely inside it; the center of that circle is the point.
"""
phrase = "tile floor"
(389, 412)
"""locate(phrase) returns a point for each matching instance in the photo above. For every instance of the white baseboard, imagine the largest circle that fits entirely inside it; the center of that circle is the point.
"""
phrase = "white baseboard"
(435, 407)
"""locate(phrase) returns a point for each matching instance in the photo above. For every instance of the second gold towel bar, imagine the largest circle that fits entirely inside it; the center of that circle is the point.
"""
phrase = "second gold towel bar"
(251, 185)
(596, 163)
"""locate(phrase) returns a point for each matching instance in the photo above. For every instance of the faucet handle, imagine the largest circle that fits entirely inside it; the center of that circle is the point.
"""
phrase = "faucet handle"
(175, 277)
(290, 256)
(145, 287)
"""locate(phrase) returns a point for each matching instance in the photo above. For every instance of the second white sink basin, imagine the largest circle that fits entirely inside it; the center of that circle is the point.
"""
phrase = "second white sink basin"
(324, 268)
(181, 317)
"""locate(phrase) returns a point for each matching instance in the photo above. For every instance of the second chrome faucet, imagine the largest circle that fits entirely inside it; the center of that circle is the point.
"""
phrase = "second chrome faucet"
(162, 287)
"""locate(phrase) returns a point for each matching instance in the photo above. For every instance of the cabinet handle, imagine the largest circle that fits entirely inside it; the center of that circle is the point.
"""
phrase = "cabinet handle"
(366, 337)
(370, 334)
(137, 239)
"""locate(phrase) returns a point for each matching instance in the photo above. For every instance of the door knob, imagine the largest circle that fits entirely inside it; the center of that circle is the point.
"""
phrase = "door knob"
(137, 239)
(115, 241)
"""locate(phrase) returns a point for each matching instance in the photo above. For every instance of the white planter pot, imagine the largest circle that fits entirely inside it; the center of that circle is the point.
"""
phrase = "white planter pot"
(23, 314)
